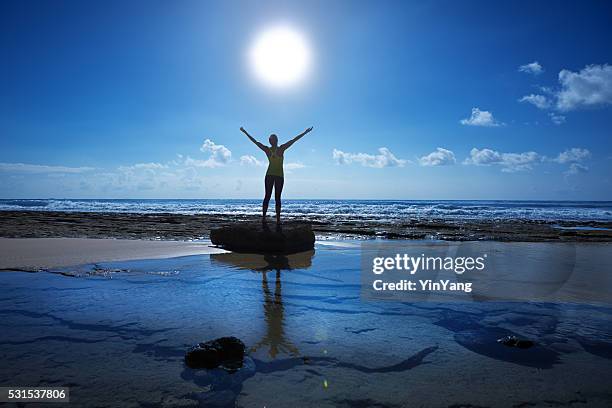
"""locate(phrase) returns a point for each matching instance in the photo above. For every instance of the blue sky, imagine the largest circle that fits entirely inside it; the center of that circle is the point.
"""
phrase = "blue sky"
(409, 100)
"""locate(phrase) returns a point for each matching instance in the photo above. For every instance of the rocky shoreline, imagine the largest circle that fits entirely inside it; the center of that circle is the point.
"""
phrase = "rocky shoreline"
(167, 226)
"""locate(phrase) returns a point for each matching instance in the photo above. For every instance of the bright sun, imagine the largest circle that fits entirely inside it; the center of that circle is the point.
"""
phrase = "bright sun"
(280, 57)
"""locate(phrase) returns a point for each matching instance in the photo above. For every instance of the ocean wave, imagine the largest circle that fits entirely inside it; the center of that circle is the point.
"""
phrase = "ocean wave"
(358, 210)
(24, 203)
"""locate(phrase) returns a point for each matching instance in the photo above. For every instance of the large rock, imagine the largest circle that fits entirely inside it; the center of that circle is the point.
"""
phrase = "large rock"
(255, 238)
(225, 352)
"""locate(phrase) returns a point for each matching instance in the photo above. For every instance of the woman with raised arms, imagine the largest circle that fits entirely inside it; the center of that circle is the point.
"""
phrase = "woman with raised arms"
(274, 175)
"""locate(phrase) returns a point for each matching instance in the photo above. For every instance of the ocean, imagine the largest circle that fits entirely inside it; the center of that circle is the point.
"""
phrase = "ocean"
(322, 209)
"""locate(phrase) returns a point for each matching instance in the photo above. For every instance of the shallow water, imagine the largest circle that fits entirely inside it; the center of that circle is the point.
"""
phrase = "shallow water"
(117, 335)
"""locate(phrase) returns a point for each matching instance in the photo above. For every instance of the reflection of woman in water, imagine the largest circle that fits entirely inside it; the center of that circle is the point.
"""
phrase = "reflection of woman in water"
(274, 175)
(275, 337)
(274, 313)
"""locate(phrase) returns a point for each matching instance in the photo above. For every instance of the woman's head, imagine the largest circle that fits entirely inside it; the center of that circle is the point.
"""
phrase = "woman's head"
(273, 139)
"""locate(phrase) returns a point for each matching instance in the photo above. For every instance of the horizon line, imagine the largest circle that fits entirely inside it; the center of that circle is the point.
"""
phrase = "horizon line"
(316, 199)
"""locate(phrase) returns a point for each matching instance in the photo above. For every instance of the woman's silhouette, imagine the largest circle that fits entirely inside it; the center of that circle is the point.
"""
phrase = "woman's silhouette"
(274, 175)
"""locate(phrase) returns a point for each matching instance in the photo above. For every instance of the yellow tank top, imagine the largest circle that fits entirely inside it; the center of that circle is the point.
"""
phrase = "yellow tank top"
(275, 163)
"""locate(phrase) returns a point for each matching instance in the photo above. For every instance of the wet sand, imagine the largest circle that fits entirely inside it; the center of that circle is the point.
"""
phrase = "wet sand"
(37, 224)
(32, 254)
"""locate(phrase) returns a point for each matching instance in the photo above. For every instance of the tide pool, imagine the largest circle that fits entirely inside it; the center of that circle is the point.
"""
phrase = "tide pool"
(116, 333)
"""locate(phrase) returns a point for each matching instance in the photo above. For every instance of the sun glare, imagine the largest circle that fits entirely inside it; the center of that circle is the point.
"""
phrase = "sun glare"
(280, 57)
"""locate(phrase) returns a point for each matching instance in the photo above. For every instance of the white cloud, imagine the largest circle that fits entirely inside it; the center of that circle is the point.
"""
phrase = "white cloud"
(556, 118)
(573, 155)
(189, 161)
(532, 68)
(540, 101)
(178, 174)
(441, 157)
(509, 162)
(384, 159)
(144, 166)
(294, 166)
(519, 161)
(219, 155)
(41, 168)
(576, 168)
(150, 165)
(483, 157)
(248, 160)
(480, 118)
(590, 87)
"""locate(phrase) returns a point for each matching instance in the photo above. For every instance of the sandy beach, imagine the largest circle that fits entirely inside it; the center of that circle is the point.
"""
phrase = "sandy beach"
(32, 254)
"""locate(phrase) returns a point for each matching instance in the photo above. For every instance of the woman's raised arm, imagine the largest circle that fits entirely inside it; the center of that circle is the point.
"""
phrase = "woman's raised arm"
(260, 145)
(287, 145)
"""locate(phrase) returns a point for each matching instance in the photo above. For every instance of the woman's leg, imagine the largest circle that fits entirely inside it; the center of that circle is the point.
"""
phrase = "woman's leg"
(278, 190)
(269, 183)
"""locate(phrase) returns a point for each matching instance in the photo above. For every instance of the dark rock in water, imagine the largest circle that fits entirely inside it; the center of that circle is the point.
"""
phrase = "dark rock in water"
(226, 352)
(513, 341)
(253, 238)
